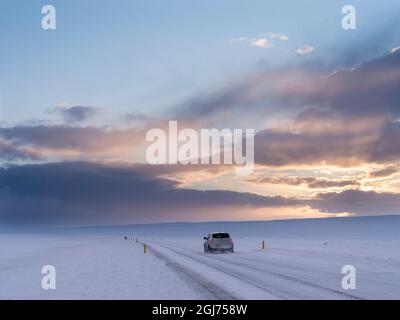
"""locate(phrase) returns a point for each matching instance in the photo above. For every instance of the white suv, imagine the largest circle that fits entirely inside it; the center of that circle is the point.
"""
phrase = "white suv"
(218, 241)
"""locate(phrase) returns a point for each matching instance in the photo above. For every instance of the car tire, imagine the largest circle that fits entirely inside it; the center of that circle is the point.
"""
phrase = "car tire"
(231, 250)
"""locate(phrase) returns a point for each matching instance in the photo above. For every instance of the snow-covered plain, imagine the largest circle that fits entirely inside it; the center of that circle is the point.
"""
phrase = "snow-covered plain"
(87, 267)
(303, 259)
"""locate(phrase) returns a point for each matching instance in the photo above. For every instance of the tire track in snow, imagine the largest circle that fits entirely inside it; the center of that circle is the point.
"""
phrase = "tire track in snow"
(280, 292)
(190, 276)
(292, 278)
(237, 275)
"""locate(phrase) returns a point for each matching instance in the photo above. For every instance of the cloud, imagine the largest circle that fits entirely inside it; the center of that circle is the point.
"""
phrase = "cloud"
(10, 152)
(70, 142)
(304, 50)
(63, 140)
(254, 42)
(75, 114)
(322, 141)
(385, 172)
(261, 43)
(264, 41)
(394, 50)
(136, 117)
(344, 118)
(96, 193)
(370, 89)
(365, 46)
(358, 202)
(310, 182)
(283, 148)
(279, 36)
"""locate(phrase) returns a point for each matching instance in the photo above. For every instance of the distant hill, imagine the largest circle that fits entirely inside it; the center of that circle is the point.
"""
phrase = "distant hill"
(371, 227)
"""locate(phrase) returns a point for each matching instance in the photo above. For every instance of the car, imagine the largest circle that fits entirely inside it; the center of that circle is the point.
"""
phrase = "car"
(218, 242)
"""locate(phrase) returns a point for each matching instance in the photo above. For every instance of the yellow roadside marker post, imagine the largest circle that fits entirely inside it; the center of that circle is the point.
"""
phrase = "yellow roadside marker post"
(144, 248)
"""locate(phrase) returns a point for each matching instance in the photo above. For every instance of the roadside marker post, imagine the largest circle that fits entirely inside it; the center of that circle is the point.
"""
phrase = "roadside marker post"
(144, 248)
(263, 245)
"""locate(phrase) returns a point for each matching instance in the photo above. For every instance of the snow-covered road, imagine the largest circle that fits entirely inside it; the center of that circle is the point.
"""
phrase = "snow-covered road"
(283, 272)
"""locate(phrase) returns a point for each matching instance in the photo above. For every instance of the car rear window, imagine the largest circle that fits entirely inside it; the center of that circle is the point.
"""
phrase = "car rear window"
(220, 235)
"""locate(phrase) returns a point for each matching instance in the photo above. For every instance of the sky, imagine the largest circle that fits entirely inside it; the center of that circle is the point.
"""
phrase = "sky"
(76, 103)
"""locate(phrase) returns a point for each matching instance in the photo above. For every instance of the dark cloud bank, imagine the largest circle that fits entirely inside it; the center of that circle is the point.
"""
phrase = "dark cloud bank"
(93, 193)
(83, 192)
(368, 89)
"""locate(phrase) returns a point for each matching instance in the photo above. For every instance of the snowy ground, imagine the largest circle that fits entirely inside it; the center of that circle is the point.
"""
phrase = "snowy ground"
(86, 268)
(302, 260)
